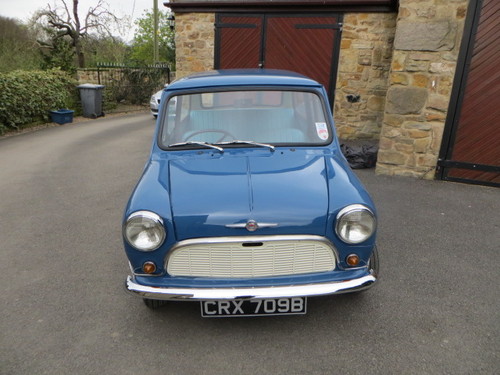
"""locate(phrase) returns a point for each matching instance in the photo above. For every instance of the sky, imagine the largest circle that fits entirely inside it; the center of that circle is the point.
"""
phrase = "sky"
(24, 9)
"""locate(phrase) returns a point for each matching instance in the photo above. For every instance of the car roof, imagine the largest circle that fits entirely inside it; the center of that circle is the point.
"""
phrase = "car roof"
(242, 77)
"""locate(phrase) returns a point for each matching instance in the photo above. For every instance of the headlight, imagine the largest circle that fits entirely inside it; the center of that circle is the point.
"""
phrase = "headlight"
(144, 230)
(355, 224)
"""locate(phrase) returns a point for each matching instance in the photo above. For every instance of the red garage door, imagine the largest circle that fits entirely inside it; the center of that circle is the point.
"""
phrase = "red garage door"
(471, 144)
(305, 44)
(241, 38)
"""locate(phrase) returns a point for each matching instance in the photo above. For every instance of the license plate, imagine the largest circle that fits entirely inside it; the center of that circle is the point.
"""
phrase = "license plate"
(254, 307)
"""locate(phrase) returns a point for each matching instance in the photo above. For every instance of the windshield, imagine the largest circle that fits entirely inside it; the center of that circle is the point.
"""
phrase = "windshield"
(230, 117)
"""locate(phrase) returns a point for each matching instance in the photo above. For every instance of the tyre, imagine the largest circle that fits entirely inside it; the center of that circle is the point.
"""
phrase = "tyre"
(153, 304)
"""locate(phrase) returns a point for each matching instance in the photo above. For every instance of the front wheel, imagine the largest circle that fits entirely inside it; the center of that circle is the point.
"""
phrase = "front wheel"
(153, 304)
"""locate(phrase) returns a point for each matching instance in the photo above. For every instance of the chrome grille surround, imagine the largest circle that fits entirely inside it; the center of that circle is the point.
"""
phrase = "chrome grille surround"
(251, 257)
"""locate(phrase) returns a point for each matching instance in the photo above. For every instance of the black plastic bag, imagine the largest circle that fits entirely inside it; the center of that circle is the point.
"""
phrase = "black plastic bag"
(360, 154)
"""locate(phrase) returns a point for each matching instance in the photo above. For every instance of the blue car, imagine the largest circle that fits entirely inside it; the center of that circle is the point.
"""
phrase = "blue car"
(246, 204)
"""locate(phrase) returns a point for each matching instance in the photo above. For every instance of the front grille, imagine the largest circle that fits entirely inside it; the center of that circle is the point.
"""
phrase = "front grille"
(256, 258)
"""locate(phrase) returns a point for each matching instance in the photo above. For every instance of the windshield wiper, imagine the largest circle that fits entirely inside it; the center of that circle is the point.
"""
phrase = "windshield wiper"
(238, 142)
(204, 144)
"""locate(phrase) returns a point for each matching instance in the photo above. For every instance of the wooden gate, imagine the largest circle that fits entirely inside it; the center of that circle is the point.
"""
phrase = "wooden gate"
(306, 44)
(470, 151)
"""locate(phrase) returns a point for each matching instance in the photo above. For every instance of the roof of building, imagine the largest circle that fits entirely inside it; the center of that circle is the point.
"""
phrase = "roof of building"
(189, 6)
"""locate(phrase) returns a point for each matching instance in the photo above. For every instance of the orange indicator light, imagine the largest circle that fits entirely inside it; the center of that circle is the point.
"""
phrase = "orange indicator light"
(149, 267)
(352, 260)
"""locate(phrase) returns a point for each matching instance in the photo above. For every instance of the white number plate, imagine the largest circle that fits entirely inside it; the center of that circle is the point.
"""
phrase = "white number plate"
(254, 307)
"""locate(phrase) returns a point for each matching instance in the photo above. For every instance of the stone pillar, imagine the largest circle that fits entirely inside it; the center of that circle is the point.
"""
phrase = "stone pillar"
(194, 41)
(426, 47)
(363, 71)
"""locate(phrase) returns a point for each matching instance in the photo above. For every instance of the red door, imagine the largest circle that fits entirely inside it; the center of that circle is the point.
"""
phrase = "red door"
(471, 147)
(241, 38)
(302, 44)
(305, 44)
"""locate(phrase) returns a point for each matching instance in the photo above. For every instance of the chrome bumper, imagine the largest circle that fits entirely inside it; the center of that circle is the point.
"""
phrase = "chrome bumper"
(198, 294)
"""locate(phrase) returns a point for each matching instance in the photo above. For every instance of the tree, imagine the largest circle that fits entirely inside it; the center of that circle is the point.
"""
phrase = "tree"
(104, 49)
(142, 50)
(18, 47)
(66, 23)
(59, 53)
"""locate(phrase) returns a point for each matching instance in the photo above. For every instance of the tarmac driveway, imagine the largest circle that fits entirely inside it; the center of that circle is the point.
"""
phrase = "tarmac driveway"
(63, 309)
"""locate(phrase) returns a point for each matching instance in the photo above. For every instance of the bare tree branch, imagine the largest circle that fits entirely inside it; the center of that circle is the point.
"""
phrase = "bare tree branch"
(97, 19)
(68, 14)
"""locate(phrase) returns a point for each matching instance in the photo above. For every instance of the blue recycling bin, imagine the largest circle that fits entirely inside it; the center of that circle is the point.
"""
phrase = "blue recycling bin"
(62, 116)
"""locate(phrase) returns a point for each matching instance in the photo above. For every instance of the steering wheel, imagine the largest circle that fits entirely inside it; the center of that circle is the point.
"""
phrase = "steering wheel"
(224, 133)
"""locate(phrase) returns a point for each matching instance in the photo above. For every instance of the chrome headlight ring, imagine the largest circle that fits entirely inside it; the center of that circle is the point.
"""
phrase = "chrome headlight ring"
(355, 224)
(144, 230)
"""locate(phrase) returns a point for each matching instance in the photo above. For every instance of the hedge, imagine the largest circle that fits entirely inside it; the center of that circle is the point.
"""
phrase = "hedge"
(28, 96)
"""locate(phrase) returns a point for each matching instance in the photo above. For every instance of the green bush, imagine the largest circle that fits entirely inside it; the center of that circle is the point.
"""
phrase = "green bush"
(28, 96)
(140, 84)
(108, 99)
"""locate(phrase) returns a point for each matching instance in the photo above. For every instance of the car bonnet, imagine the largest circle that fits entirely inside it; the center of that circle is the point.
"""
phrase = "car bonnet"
(210, 193)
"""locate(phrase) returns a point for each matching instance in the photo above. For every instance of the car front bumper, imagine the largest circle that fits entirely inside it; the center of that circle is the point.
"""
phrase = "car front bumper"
(200, 294)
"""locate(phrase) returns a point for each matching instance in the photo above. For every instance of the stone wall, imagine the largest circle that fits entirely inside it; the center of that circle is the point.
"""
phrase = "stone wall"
(363, 71)
(426, 47)
(90, 75)
(194, 40)
(87, 76)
